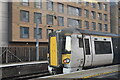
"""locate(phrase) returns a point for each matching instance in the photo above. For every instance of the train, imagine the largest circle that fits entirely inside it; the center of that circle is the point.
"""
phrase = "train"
(73, 49)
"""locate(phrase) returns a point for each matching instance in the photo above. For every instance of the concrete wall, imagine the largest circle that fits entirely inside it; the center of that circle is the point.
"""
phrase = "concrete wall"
(3, 24)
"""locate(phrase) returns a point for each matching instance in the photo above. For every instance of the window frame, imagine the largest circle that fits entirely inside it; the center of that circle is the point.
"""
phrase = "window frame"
(48, 17)
(40, 15)
(39, 31)
(21, 16)
(86, 23)
(69, 20)
(100, 26)
(105, 17)
(105, 7)
(99, 6)
(106, 27)
(62, 18)
(38, 5)
(23, 33)
(50, 3)
(93, 25)
(59, 10)
(71, 10)
(93, 5)
(93, 14)
(100, 16)
(86, 13)
(25, 3)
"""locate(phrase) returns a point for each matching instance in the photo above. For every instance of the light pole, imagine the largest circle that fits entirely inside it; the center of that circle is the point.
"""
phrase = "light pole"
(37, 40)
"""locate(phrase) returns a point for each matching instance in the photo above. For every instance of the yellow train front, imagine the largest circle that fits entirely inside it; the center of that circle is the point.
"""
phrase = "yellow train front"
(72, 49)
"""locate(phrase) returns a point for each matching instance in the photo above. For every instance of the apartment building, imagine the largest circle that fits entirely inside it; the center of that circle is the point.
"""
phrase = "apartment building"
(115, 17)
(93, 16)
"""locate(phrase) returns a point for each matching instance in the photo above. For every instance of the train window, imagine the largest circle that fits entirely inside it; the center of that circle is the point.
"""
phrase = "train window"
(80, 43)
(87, 46)
(68, 43)
(103, 47)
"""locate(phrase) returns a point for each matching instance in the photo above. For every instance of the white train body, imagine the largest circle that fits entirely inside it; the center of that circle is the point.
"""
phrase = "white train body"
(81, 50)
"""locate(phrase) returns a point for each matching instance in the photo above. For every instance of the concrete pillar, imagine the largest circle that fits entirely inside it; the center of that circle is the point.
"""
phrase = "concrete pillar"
(3, 24)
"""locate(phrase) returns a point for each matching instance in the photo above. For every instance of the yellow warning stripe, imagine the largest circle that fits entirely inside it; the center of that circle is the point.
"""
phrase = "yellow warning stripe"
(99, 74)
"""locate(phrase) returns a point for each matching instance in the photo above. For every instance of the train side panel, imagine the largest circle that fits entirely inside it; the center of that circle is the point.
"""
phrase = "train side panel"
(102, 50)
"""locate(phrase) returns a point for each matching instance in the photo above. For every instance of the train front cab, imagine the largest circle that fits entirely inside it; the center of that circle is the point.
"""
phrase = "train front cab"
(62, 53)
(59, 52)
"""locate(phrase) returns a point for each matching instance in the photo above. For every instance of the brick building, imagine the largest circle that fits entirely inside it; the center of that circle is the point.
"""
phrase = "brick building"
(22, 17)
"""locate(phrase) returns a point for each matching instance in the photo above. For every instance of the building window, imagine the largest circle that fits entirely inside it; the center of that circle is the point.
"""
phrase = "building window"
(86, 3)
(48, 32)
(93, 14)
(24, 32)
(105, 17)
(24, 16)
(74, 23)
(99, 5)
(100, 26)
(105, 7)
(49, 19)
(100, 16)
(60, 21)
(39, 33)
(80, 23)
(86, 12)
(49, 5)
(78, 1)
(38, 4)
(74, 11)
(93, 5)
(86, 23)
(105, 27)
(93, 25)
(60, 8)
(25, 2)
(38, 17)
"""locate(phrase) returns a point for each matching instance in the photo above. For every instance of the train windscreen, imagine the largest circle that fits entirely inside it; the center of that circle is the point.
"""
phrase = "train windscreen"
(66, 45)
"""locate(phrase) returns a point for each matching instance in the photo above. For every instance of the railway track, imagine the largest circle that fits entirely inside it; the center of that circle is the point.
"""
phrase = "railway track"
(31, 76)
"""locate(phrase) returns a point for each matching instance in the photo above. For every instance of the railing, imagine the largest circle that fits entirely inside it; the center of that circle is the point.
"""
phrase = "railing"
(22, 54)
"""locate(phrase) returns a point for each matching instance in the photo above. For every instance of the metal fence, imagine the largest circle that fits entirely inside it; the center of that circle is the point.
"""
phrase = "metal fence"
(22, 54)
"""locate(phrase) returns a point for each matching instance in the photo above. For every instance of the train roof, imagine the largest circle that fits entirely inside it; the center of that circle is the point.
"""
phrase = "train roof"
(77, 30)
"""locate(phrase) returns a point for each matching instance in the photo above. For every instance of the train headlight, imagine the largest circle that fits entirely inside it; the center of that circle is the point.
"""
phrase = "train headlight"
(67, 60)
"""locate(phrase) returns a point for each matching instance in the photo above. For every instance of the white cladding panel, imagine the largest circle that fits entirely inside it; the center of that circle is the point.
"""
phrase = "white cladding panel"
(3, 24)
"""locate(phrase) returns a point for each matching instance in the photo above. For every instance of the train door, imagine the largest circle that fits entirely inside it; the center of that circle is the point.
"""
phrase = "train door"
(87, 50)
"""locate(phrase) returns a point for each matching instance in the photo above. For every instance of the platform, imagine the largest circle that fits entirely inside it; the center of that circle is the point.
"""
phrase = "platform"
(21, 69)
(90, 73)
